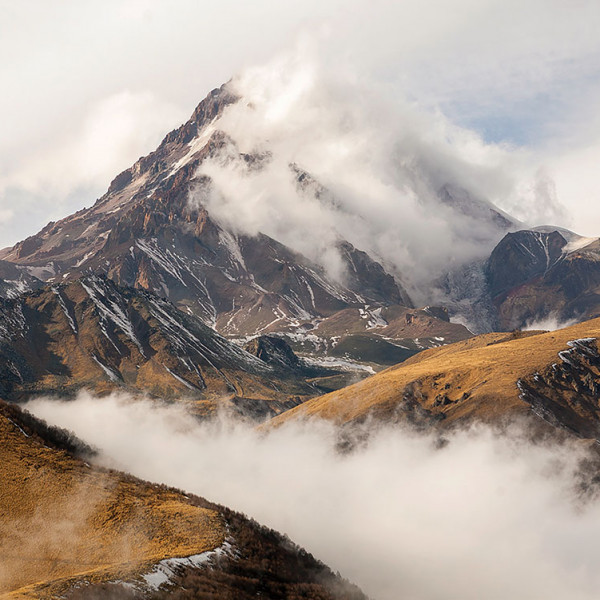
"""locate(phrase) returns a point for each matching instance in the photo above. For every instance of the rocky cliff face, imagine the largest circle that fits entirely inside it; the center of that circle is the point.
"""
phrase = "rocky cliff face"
(522, 256)
(145, 234)
(535, 275)
(566, 393)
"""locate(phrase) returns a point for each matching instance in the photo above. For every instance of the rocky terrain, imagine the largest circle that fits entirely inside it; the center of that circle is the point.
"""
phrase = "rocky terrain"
(92, 334)
(536, 274)
(144, 233)
(547, 276)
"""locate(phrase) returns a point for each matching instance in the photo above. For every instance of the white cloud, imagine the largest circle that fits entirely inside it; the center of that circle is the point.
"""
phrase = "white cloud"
(383, 159)
(549, 323)
(71, 169)
(90, 152)
(485, 516)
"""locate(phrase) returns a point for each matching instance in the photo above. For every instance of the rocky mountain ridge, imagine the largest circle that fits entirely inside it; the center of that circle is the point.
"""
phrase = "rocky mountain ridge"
(91, 333)
(144, 233)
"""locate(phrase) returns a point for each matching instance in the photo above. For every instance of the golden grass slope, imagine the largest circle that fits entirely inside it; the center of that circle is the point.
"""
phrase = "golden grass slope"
(61, 519)
(475, 378)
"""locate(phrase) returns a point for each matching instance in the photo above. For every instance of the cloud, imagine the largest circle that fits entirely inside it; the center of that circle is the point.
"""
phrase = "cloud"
(550, 323)
(385, 163)
(111, 136)
(485, 515)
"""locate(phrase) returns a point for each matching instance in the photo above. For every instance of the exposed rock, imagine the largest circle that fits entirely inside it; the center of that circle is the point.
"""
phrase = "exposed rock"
(92, 333)
(273, 350)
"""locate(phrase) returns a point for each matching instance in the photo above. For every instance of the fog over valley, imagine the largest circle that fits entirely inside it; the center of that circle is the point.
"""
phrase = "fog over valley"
(470, 514)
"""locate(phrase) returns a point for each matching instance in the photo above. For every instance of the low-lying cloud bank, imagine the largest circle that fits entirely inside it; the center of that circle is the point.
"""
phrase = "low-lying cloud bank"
(482, 516)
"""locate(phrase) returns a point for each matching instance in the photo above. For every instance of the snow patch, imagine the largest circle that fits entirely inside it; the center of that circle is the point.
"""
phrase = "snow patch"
(62, 304)
(341, 364)
(165, 570)
(111, 374)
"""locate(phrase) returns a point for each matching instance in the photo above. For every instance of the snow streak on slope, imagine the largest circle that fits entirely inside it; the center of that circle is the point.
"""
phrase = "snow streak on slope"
(404, 515)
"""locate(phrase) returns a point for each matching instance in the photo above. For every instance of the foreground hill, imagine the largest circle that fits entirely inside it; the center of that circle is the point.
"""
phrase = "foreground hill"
(552, 375)
(61, 519)
(68, 529)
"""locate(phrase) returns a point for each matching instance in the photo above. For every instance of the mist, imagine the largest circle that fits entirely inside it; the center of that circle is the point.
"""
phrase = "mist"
(482, 515)
(378, 165)
(550, 322)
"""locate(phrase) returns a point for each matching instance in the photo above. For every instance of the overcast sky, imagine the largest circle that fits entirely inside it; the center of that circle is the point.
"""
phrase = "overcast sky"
(89, 86)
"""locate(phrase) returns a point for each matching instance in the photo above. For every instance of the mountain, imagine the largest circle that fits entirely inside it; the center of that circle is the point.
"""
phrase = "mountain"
(537, 274)
(91, 333)
(71, 530)
(145, 233)
(546, 275)
(552, 378)
(15, 280)
(153, 231)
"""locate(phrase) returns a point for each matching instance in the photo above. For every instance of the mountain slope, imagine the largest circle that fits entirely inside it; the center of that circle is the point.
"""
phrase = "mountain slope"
(152, 230)
(545, 275)
(145, 233)
(92, 333)
(71, 530)
(61, 519)
(534, 275)
(492, 377)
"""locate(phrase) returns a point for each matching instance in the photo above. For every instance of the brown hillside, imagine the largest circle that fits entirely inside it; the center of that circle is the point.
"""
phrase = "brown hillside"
(71, 530)
(489, 377)
(61, 519)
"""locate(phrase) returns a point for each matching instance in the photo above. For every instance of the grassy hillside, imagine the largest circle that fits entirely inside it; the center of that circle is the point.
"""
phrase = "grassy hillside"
(62, 519)
(489, 377)
(74, 531)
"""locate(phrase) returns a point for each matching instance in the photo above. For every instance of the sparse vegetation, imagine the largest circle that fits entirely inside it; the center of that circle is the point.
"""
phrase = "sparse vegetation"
(62, 521)
(480, 378)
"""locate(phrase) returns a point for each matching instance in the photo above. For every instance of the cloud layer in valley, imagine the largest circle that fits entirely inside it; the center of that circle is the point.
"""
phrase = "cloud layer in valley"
(481, 516)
